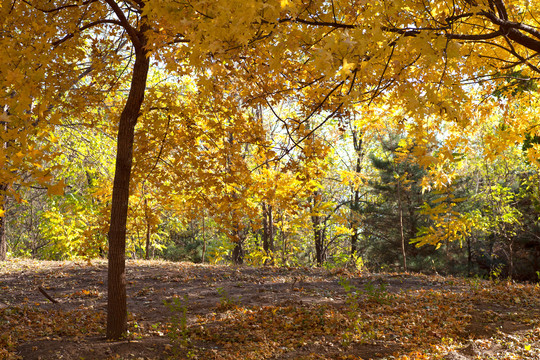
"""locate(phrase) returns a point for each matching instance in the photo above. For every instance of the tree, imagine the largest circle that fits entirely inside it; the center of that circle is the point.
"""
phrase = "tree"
(394, 216)
(103, 29)
(3, 239)
(324, 56)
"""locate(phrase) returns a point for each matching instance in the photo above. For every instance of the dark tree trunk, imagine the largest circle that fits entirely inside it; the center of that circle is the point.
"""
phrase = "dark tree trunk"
(116, 306)
(3, 199)
(3, 239)
(317, 223)
(238, 253)
(355, 208)
(268, 233)
(469, 256)
(511, 258)
(400, 208)
(147, 250)
(204, 241)
(355, 205)
(318, 233)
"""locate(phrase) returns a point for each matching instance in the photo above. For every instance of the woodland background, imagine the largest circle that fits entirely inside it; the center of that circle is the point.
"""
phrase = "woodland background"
(299, 136)
(361, 204)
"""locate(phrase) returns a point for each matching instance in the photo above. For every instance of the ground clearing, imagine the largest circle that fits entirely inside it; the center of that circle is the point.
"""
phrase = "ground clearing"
(183, 310)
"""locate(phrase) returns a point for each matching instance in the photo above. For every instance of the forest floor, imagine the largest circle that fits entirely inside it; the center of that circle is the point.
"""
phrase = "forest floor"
(189, 311)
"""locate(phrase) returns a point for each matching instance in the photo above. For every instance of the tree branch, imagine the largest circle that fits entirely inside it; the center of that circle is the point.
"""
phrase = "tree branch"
(86, 27)
(132, 32)
(41, 290)
(47, 11)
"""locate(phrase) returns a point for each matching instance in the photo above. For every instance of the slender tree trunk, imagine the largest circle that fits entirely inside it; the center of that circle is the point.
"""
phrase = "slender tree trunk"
(355, 206)
(400, 205)
(271, 232)
(116, 306)
(148, 227)
(268, 233)
(511, 258)
(469, 256)
(318, 235)
(319, 242)
(3, 238)
(204, 241)
(147, 250)
(264, 228)
(3, 200)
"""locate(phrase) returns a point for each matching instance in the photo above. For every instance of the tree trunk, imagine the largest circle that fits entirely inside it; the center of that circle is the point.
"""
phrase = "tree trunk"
(116, 306)
(358, 142)
(355, 208)
(204, 241)
(318, 232)
(319, 241)
(147, 251)
(3, 200)
(400, 205)
(238, 253)
(469, 256)
(511, 258)
(268, 233)
(147, 216)
(3, 239)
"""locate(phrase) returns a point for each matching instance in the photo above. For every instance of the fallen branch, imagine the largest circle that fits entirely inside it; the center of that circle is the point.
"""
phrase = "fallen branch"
(41, 290)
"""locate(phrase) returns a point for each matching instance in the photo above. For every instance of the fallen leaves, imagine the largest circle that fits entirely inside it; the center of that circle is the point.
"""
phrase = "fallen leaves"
(264, 313)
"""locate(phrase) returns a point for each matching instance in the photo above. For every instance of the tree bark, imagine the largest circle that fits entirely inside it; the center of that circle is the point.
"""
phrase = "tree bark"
(147, 250)
(3, 239)
(238, 252)
(469, 256)
(116, 306)
(355, 208)
(355, 205)
(400, 207)
(3, 200)
(318, 234)
(204, 241)
(511, 258)
(148, 234)
(268, 233)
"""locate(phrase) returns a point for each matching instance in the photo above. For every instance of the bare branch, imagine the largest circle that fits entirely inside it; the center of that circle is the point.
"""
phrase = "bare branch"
(86, 27)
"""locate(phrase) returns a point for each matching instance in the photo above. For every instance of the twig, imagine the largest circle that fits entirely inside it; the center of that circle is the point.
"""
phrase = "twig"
(41, 290)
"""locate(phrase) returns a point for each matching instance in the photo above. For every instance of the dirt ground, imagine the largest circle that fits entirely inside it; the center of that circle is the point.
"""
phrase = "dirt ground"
(153, 284)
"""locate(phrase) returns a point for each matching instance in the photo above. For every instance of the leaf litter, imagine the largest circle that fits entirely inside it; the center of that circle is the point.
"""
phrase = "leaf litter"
(192, 311)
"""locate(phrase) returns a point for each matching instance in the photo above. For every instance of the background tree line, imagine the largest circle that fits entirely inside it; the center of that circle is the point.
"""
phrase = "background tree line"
(354, 206)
